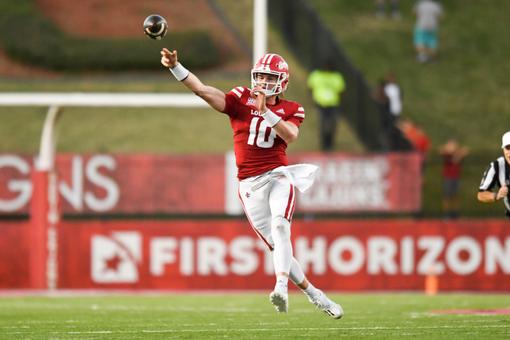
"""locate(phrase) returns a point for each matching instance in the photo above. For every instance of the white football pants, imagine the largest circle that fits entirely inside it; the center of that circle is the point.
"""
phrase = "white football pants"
(269, 201)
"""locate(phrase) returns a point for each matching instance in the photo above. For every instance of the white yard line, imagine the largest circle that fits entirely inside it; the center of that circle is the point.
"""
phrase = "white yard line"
(96, 307)
(299, 329)
(126, 292)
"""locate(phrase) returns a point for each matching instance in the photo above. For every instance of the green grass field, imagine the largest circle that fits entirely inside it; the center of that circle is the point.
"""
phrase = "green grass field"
(249, 316)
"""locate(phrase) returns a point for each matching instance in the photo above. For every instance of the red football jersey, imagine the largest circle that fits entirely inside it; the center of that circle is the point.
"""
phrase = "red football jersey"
(257, 146)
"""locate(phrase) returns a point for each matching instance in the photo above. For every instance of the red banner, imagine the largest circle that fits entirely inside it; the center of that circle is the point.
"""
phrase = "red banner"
(152, 184)
(335, 255)
(14, 254)
(384, 182)
(132, 184)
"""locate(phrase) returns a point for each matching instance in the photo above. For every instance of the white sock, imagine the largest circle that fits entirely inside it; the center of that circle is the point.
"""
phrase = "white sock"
(296, 273)
(311, 291)
(282, 280)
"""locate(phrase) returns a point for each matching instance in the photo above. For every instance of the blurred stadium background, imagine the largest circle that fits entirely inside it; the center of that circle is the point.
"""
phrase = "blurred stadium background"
(143, 197)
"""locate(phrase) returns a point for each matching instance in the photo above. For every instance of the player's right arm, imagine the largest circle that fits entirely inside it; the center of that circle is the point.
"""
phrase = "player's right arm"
(489, 196)
(213, 96)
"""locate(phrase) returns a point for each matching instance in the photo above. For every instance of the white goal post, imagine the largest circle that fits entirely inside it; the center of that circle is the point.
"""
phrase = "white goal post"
(259, 29)
(61, 99)
(44, 214)
(57, 100)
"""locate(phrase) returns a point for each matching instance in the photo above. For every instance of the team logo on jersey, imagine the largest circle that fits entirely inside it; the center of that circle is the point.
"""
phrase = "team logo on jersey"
(281, 111)
(247, 195)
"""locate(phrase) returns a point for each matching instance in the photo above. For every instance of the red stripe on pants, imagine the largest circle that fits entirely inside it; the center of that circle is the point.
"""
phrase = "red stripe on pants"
(251, 224)
(290, 204)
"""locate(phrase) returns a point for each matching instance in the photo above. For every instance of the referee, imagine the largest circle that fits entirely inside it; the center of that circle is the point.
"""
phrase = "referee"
(497, 175)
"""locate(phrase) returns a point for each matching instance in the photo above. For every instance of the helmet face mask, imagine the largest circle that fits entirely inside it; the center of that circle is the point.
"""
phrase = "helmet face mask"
(270, 65)
(269, 83)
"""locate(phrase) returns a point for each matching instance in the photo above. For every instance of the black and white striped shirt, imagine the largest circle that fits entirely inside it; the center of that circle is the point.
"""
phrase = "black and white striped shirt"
(497, 175)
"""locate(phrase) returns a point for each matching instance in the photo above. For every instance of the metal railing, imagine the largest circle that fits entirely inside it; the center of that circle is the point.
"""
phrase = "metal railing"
(313, 43)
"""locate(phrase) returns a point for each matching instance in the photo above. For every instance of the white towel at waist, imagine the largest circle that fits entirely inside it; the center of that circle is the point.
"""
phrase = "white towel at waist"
(301, 176)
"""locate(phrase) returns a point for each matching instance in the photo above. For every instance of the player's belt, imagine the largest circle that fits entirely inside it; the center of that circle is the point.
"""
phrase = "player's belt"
(265, 178)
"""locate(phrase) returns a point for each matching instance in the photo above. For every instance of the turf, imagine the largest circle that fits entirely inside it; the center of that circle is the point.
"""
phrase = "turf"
(250, 316)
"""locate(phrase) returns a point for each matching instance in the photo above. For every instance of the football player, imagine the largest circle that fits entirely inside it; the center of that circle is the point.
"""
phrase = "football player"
(264, 124)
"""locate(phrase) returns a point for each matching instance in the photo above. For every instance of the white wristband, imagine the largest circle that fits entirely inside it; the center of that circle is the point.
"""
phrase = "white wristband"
(271, 118)
(180, 72)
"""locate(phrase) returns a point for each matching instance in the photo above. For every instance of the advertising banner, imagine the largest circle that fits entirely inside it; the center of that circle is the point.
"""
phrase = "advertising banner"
(379, 182)
(129, 184)
(207, 184)
(348, 255)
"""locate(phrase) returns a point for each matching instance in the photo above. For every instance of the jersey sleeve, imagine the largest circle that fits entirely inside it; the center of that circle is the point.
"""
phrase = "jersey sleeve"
(232, 99)
(297, 117)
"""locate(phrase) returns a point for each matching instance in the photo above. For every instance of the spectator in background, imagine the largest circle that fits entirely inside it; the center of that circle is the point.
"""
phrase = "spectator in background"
(497, 176)
(383, 101)
(394, 94)
(421, 143)
(417, 137)
(428, 14)
(380, 8)
(381, 96)
(388, 97)
(327, 86)
(452, 154)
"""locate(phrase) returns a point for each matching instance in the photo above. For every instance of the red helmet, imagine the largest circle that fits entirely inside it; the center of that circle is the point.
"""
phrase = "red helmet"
(274, 64)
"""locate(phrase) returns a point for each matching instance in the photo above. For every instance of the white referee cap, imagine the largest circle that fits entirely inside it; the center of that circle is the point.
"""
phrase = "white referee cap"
(505, 140)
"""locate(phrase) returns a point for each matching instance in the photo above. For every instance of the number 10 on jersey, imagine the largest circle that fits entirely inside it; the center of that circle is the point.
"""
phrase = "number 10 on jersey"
(261, 133)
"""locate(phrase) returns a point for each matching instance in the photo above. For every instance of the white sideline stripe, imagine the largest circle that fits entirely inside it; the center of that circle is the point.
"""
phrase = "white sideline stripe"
(300, 329)
(101, 99)
(95, 307)
(126, 292)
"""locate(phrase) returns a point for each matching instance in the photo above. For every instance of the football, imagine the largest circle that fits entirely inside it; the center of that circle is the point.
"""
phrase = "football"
(155, 26)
